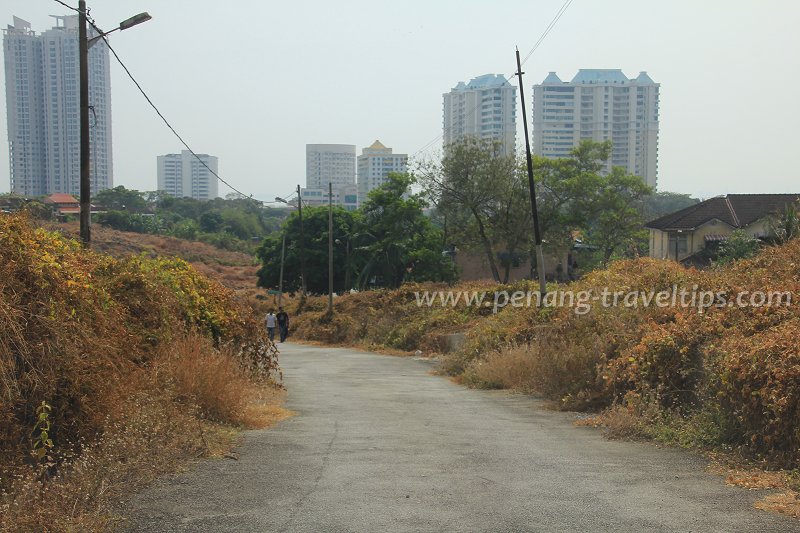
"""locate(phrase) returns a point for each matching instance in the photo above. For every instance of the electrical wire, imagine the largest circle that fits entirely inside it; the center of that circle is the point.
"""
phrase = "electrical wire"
(553, 22)
(75, 9)
(541, 39)
(159, 113)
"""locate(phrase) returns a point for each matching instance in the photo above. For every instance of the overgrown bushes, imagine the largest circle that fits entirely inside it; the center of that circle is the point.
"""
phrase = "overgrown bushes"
(131, 351)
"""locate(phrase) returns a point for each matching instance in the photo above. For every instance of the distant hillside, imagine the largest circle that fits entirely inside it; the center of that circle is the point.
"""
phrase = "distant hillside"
(235, 270)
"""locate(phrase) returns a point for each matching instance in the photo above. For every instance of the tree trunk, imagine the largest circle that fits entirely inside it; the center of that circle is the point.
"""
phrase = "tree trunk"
(487, 246)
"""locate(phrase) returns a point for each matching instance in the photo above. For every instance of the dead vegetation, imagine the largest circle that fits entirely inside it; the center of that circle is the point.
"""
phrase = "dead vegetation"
(143, 364)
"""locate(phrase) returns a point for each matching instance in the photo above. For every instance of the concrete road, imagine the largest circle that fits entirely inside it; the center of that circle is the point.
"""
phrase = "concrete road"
(379, 444)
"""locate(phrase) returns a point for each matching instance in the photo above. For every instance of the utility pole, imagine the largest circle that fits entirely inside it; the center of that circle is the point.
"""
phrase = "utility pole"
(85, 181)
(280, 279)
(330, 248)
(534, 212)
(302, 245)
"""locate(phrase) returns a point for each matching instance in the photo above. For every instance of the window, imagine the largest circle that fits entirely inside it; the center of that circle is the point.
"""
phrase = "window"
(681, 242)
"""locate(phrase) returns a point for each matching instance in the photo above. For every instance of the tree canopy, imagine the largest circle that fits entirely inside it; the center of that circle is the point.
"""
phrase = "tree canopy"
(387, 241)
(483, 196)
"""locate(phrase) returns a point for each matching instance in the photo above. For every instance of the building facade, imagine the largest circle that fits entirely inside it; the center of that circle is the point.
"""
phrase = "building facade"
(330, 163)
(184, 176)
(374, 165)
(681, 235)
(43, 109)
(485, 108)
(343, 196)
(600, 105)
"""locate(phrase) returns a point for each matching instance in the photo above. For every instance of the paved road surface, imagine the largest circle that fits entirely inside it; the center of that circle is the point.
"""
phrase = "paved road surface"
(379, 444)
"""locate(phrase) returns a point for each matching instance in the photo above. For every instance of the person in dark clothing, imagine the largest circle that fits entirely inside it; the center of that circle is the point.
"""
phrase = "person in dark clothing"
(283, 323)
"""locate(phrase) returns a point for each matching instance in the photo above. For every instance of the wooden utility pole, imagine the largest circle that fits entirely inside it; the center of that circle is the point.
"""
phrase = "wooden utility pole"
(85, 178)
(534, 212)
(302, 244)
(330, 248)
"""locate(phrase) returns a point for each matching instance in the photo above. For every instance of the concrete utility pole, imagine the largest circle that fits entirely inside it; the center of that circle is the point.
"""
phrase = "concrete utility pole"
(85, 181)
(330, 248)
(302, 244)
(84, 43)
(534, 212)
(280, 279)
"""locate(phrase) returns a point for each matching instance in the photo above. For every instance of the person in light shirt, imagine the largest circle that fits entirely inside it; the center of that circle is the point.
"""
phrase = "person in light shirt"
(271, 321)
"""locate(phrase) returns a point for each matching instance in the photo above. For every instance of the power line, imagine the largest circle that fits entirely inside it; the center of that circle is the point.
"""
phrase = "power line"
(553, 22)
(542, 37)
(75, 9)
(158, 112)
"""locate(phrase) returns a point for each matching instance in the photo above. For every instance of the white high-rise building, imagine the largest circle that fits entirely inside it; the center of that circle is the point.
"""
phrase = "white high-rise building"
(184, 176)
(601, 105)
(43, 108)
(484, 108)
(330, 163)
(374, 165)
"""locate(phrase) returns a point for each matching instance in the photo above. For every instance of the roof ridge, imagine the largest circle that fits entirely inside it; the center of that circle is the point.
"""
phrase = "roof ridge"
(733, 211)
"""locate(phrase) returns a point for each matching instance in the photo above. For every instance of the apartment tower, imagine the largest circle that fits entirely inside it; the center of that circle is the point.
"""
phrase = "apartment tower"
(374, 165)
(484, 108)
(185, 176)
(43, 104)
(601, 105)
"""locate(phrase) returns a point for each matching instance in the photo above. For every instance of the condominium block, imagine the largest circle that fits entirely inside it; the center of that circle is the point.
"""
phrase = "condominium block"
(43, 109)
(374, 165)
(330, 163)
(601, 105)
(345, 196)
(185, 176)
(484, 108)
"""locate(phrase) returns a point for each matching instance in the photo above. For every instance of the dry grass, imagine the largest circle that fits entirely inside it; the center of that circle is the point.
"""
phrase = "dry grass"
(213, 381)
(549, 365)
(218, 386)
(755, 477)
(787, 503)
(186, 407)
(125, 353)
(235, 270)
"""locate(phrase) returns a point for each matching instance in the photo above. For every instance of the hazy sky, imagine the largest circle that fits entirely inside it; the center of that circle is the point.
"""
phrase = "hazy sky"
(252, 81)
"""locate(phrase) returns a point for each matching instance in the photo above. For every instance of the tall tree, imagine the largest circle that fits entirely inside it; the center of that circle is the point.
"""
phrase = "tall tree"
(402, 243)
(470, 186)
(566, 188)
(315, 224)
(121, 199)
(615, 220)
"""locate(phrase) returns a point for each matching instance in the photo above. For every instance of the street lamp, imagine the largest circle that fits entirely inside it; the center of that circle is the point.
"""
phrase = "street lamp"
(302, 245)
(124, 25)
(83, 52)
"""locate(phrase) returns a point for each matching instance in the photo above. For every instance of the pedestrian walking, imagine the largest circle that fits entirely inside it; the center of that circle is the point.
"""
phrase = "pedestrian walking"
(283, 323)
(271, 320)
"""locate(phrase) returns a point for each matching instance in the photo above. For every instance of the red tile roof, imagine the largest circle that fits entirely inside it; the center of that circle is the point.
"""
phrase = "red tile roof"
(61, 198)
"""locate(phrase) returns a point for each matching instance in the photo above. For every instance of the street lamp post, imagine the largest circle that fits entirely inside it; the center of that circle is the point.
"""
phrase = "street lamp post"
(330, 248)
(302, 246)
(83, 52)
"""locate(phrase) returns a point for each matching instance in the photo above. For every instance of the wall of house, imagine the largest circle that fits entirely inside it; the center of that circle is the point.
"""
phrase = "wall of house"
(696, 240)
(474, 266)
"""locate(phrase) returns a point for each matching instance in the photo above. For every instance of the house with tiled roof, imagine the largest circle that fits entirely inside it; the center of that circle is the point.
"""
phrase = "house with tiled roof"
(63, 204)
(682, 234)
